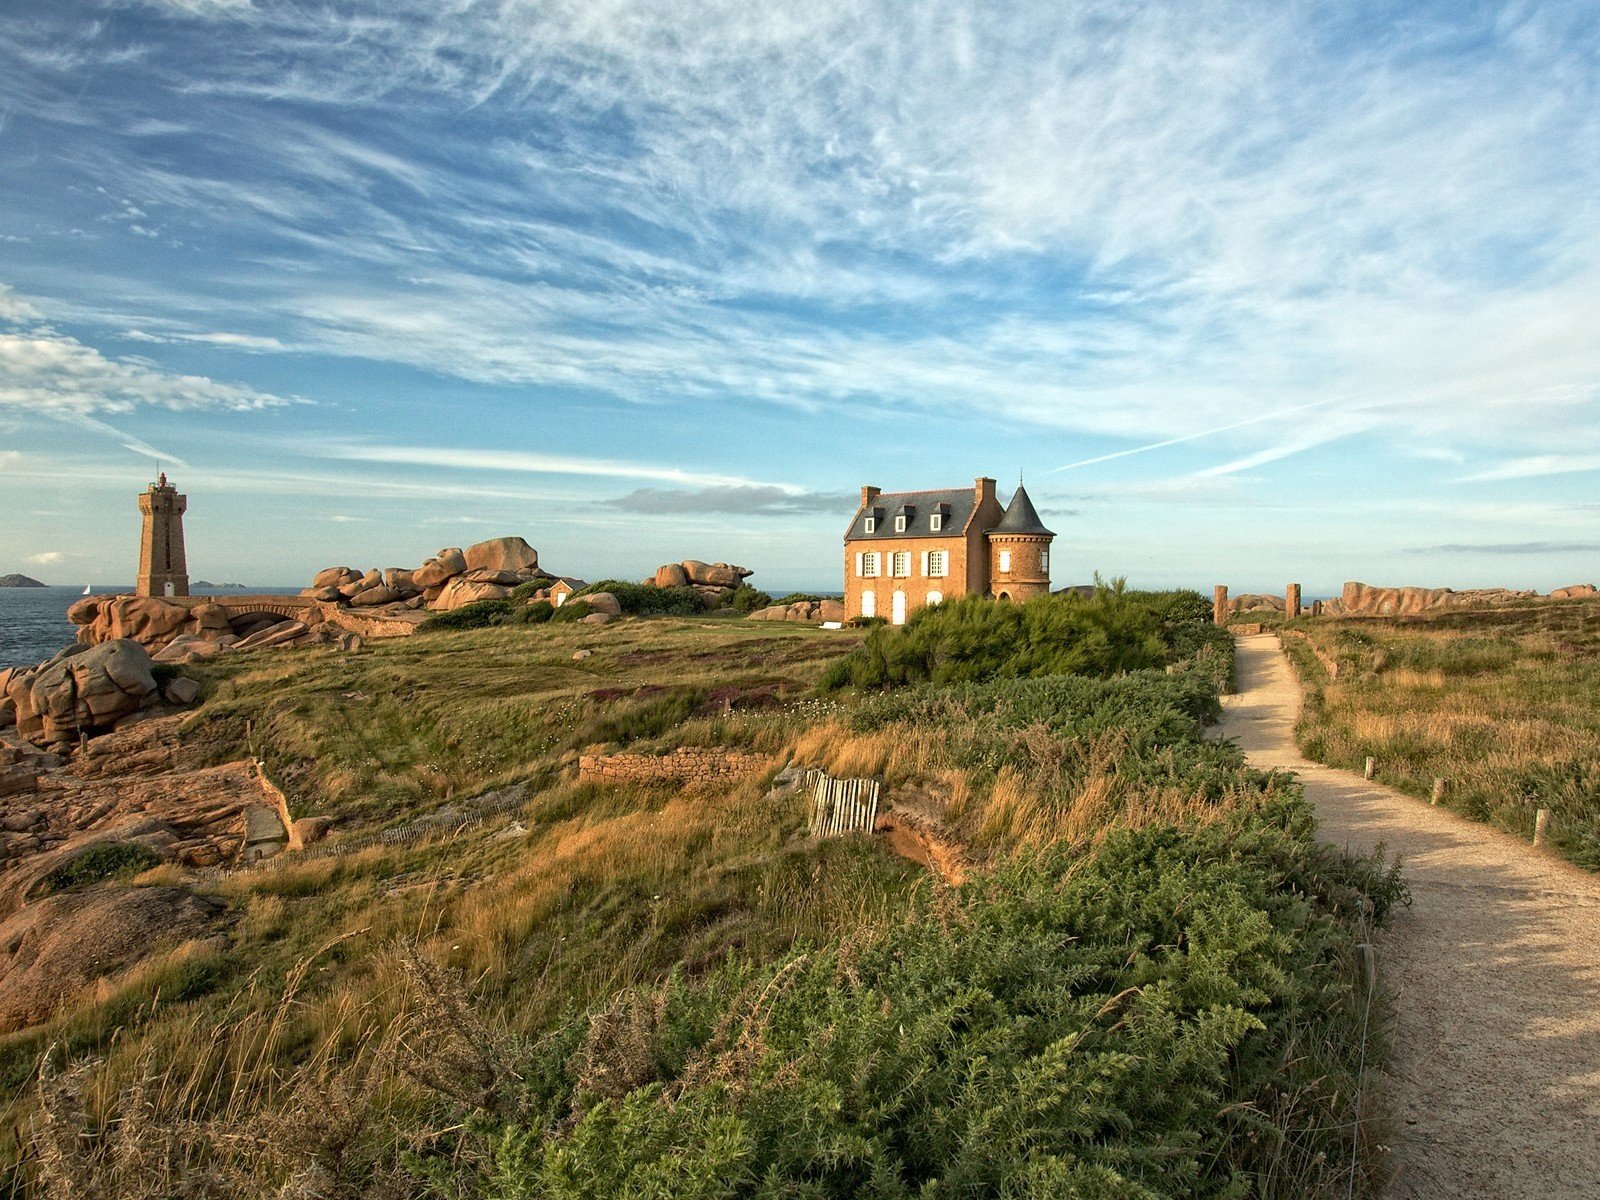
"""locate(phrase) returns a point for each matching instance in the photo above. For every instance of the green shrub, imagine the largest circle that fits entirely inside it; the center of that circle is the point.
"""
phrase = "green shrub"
(746, 599)
(573, 610)
(100, 862)
(1130, 1025)
(647, 600)
(803, 598)
(641, 719)
(478, 615)
(976, 638)
(524, 593)
(536, 613)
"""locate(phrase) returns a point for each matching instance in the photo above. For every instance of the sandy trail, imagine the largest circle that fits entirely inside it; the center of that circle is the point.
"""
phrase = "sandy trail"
(1495, 970)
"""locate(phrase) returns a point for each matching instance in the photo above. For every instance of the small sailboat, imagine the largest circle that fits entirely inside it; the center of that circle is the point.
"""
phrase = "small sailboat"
(88, 589)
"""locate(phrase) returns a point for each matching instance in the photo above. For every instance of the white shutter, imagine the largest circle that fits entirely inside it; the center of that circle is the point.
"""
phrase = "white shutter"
(925, 554)
(861, 564)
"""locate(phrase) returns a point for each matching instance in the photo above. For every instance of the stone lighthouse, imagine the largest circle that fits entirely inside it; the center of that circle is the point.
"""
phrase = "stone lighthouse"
(1019, 552)
(163, 569)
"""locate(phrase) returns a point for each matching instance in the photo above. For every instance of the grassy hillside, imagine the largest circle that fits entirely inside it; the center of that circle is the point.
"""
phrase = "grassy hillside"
(1500, 703)
(1147, 985)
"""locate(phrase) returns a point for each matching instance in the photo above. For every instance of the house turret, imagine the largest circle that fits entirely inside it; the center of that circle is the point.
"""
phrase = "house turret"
(1019, 552)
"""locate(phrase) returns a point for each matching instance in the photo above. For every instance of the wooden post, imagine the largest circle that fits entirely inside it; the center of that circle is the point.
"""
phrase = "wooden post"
(1219, 605)
(1291, 601)
(1438, 789)
(1372, 766)
(1541, 827)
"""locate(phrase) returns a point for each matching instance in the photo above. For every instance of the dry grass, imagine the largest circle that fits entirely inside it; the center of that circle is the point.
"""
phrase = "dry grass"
(1499, 703)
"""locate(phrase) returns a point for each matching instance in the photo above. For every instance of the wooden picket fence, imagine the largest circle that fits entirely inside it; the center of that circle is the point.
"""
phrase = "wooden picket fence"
(840, 806)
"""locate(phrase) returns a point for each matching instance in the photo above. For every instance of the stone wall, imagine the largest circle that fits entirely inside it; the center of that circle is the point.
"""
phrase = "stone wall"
(686, 765)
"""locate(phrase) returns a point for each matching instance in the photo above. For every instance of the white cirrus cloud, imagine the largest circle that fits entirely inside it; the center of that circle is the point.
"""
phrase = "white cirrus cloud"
(46, 371)
(534, 463)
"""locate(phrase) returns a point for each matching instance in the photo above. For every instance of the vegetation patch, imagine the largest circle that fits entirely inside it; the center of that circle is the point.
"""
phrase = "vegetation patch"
(976, 638)
(1498, 703)
(98, 863)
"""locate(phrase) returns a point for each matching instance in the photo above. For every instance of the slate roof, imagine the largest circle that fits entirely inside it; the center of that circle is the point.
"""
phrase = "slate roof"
(1021, 516)
(955, 504)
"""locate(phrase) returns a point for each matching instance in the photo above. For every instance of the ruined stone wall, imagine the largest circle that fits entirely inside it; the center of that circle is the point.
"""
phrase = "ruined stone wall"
(684, 766)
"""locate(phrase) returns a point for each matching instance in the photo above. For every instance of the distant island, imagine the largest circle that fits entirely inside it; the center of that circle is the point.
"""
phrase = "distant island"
(20, 581)
(206, 583)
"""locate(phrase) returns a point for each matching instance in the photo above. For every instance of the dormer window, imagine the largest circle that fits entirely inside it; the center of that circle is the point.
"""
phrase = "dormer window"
(936, 522)
(900, 523)
(872, 524)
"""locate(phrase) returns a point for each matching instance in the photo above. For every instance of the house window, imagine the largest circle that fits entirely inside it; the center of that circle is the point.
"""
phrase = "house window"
(900, 523)
(938, 564)
(872, 524)
(936, 522)
(901, 564)
(1005, 560)
(869, 604)
(1044, 561)
(869, 565)
(935, 598)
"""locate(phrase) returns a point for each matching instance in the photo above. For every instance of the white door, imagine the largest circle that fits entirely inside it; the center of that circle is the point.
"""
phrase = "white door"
(869, 604)
(899, 617)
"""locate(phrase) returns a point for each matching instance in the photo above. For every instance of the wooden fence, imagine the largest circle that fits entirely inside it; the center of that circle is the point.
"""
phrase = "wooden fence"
(840, 806)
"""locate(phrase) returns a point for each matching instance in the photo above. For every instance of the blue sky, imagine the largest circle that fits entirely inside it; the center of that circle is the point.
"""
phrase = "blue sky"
(1249, 292)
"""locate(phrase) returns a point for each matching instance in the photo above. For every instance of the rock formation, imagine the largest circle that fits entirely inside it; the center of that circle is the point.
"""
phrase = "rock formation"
(81, 692)
(1363, 600)
(53, 950)
(714, 581)
(808, 612)
(7, 581)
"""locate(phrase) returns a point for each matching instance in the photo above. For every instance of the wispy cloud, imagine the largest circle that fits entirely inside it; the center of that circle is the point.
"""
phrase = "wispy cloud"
(533, 463)
(46, 371)
(45, 559)
(1533, 466)
(1509, 548)
(745, 500)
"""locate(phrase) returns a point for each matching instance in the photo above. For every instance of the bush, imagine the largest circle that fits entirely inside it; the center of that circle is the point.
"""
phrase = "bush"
(647, 717)
(536, 613)
(573, 610)
(976, 638)
(1130, 1025)
(100, 862)
(746, 599)
(524, 593)
(647, 600)
(478, 615)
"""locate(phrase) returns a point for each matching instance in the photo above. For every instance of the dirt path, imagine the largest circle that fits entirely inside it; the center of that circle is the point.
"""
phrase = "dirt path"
(1495, 967)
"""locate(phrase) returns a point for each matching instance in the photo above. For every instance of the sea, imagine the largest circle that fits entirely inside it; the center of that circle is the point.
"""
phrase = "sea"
(34, 625)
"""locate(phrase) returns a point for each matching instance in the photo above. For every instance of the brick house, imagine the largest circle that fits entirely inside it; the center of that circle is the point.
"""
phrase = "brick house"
(905, 550)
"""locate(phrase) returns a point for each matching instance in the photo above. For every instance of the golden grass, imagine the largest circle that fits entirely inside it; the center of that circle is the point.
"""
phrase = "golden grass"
(1499, 703)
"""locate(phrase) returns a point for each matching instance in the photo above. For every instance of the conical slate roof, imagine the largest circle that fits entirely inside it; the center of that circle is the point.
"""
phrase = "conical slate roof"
(1021, 517)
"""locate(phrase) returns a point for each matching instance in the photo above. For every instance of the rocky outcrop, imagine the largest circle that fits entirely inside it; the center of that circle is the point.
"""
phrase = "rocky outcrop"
(83, 691)
(805, 612)
(1576, 591)
(715, 582)
(451, 578)
(53, 950)
(1255, 602)
(509, 554)
(9, 581)
(1363, 600)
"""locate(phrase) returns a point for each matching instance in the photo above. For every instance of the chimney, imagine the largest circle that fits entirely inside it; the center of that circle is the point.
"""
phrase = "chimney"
(869, 494)
(982, 489)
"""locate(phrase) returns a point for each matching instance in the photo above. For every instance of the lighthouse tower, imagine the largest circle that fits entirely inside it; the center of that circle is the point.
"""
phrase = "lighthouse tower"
(163, 569)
